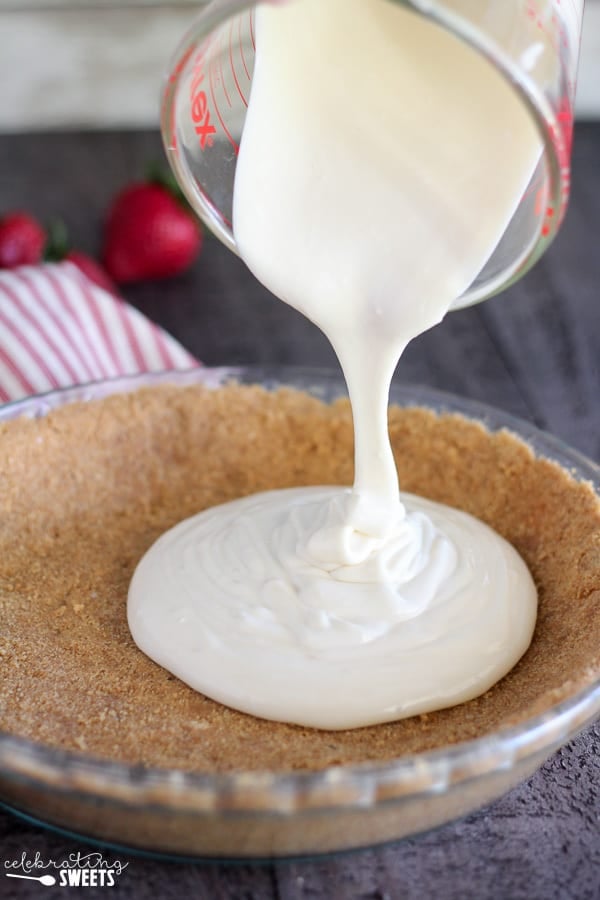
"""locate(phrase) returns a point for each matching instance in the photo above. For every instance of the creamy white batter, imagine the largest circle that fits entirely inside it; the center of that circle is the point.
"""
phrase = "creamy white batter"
(238, 605)
(380, 164)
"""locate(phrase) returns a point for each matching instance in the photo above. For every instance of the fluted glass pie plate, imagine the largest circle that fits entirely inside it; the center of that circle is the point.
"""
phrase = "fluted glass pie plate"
(275, 814)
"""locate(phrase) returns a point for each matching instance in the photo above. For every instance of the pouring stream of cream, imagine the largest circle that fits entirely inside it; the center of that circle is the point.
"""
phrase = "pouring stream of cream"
(381, 162)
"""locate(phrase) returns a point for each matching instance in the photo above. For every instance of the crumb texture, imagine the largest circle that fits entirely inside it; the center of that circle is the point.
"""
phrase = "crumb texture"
(87, 490)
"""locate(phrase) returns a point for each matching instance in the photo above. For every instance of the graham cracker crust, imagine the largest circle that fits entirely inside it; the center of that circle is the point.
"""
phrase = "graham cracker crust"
(86, 490)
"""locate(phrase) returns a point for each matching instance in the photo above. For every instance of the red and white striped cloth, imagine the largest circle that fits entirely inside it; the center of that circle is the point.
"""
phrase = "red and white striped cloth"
(57, 329)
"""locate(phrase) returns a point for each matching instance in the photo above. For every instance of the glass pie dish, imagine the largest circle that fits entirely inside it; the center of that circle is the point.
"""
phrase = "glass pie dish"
(275, 813)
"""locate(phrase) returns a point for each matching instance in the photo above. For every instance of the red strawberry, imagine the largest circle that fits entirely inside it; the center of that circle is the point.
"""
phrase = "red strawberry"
(92, 270)
(149, 234)
(22, 240)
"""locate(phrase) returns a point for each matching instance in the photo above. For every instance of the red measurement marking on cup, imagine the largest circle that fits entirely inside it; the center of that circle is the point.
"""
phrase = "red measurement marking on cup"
(168, 94)
(562, 136)
(549, 216)
(181, 63)
(542, 209)
(212, 82)
(221, 77)
(252, 30)
(199, 108)
(232, 64)
(559, 22)
(565, 121)
(241, 43)
(540, 201)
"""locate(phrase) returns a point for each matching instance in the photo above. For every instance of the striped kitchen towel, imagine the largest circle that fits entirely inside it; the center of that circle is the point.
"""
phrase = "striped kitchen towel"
(57, 328)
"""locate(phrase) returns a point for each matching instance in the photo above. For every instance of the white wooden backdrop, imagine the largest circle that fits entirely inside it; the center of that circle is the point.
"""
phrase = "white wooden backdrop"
(99, 63)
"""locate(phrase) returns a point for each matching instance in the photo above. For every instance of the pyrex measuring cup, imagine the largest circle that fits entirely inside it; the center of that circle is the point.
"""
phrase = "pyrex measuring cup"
(533, 43)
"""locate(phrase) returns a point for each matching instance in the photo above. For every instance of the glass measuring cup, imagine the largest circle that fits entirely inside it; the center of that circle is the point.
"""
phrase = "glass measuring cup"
(533, 43)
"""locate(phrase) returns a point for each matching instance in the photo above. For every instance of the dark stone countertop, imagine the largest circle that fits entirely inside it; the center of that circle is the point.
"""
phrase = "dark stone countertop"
(535, 352)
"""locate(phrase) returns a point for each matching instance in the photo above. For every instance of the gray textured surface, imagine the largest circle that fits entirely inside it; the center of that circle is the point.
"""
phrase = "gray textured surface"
(535, 352)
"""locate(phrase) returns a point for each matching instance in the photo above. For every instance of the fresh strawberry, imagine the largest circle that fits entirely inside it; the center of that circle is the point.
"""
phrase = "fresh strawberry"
(149, 234)
(92, 270)
(22, 240)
